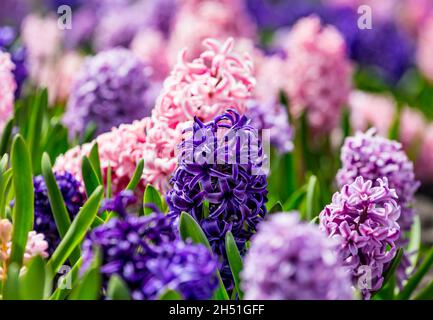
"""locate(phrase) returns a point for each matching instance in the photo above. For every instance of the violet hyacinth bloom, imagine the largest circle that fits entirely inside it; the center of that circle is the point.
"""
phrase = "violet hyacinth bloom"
(44, 221)
(363, 218)
(221, 181)
(290, 260)
(147, 254)
(274, 117)
(111, 89)
(9, 42)
(371, 156)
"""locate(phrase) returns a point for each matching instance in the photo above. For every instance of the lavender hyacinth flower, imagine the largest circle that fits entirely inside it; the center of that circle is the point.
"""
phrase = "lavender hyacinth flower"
(147, 254)
(290, 260)
(9, 42)
(12, 12)
(44, 221)
(273, 116)
(371, 157)
(111, 89)
(363, 218)
(220, 182)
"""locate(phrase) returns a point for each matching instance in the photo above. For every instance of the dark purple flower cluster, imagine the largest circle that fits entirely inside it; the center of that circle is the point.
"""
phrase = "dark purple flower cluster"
(44, 220)
(9, 43)
(363, 218)
(221, 181)
(111, 89)
(147, 254)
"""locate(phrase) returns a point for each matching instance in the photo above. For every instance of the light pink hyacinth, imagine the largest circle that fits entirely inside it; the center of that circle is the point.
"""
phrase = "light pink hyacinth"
(425, 50)
(318, 73)
(207, 86)
(36, 245)
(371, 110)
(412, 128)
(413, 14)
(424, 162)
(150, 47)
(7, 88)
(199, 20)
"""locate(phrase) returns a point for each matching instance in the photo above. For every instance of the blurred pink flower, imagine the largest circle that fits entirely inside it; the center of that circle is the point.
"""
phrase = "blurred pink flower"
(413, 14)
(66, 71)
(371, 110)
(7, 88)
(425, 50)
(43, 40)
(424, 161)
(412, 128)
(207, 86)
(150, 47)
(270, 79)
(198, 20)
(318, 73)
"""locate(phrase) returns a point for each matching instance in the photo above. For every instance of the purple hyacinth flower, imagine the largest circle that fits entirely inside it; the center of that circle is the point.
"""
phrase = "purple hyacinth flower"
(220, 181)
(290, 260)
(363, 218)
(273, 116)
(147, 254)
(44, 221)
(372, 156)
(111, 89)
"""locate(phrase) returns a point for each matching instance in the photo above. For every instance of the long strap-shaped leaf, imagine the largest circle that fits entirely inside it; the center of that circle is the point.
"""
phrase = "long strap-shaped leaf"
(24, 199)
(415, 280)
(190, 229)
(57, 203)
(90, 177)
(77, 231)
(235, 261)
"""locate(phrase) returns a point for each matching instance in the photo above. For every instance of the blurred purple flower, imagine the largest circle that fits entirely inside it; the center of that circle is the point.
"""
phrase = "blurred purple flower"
(290, 260)
(111, 89)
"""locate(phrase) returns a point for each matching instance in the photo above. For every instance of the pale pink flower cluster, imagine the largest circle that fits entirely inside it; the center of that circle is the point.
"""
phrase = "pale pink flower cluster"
(207, 86)
(424, 162)
(199, 20)
(150, 47)
(413, 14)
(318, 73)
(425, 50)
(7, 88)
(371, 110)
(36, 245)
(412, 128)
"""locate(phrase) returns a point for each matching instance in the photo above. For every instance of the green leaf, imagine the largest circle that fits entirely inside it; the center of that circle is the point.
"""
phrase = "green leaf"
(390, 272)
(295, 199)
(426, 293)
(95, 161)
(151, 195)
(90, 178)
(32, 285)
(5, 178)
(89, 133)
(136, 176)
(77, 230)
(235, 261)
(311, 198)
(11, 290)
(117, 289)
(57, 203)
(277, 207)
(70, 278)
(109, 188)
(413, 247)
(89, 286)
(170, 295)
(190, 229)
(416, 278)
(24, 199)
(6, 137)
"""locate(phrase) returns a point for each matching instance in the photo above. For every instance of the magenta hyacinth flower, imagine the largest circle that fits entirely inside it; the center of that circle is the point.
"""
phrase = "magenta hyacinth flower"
(290, 260)
(363, 218)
